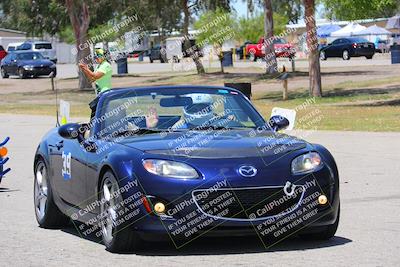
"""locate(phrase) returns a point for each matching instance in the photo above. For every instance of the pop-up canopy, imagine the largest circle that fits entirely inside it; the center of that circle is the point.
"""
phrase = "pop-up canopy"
(326, 30)
(373, 30)
(393, 22)
(349, 30)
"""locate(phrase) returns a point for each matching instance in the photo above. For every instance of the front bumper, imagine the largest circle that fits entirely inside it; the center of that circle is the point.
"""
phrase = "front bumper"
(181, 226)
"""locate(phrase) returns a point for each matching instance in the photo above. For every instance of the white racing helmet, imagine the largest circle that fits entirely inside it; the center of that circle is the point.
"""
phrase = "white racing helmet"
(200, 111)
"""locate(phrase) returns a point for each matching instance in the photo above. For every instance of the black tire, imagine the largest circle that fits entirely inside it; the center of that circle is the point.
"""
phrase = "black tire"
(322, 55)
(53, 74)
(346, 55)
(4, 74)
(21, 73)
(369, 57)
(52, 216)
(151, 60)
(122, 239)
(326, 233)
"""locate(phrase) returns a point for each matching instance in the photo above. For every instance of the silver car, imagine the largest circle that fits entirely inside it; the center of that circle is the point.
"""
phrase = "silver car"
(43, 47)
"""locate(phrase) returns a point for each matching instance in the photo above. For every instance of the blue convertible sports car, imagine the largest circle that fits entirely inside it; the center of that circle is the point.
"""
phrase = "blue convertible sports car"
(181, 162)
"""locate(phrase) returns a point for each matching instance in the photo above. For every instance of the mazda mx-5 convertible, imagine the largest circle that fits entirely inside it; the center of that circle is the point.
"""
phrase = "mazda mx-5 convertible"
(180, 162)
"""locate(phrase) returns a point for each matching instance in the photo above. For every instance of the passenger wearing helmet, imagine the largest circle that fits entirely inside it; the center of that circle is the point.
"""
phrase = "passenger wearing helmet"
(199, 113)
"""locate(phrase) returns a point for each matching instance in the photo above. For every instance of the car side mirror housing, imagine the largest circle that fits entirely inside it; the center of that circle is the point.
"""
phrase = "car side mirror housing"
(278, 123)
(69, 130)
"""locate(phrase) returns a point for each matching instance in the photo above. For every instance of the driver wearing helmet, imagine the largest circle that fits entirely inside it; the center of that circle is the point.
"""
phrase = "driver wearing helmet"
(199, 113)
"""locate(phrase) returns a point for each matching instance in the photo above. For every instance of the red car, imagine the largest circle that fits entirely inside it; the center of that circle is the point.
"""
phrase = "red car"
(281, 46)
(3, 53)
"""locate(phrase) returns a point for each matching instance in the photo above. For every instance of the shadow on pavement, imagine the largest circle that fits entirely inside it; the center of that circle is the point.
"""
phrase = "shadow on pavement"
(220, 245)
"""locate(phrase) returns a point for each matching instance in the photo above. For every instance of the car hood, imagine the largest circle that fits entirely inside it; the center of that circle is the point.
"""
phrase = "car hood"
(36, 62)
(216, 144)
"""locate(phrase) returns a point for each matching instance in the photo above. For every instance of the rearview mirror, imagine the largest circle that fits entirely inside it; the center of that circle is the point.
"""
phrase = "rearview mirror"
(69, 130)
(176, 101)
(278, 123)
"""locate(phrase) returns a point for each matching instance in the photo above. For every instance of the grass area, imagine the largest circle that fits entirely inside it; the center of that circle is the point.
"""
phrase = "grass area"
(366, 105)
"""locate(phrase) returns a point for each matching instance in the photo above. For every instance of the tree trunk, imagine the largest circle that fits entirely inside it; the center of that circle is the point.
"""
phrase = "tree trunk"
(187, 47)
(80, 19)
(312, 45)
(270, 58)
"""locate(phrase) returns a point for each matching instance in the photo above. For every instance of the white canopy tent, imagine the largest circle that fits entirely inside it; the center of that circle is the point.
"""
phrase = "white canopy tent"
(349, 30)
(373, 32)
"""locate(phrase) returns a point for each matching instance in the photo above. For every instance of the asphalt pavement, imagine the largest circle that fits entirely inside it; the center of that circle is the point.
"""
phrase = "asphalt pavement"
(145, 67)
(368, 233)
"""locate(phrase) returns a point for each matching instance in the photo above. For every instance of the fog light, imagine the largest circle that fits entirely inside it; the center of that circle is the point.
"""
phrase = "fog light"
(159, 207)
(322, 199)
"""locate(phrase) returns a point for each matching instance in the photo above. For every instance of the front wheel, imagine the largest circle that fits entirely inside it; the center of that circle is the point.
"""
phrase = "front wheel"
(21, 73)
(4, 74)
(322, 55)
(326, 233)
(47, 213)
(116, 236)
(369, 57)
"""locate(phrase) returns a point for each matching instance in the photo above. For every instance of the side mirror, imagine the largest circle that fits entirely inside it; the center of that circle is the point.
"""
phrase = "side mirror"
(278, 123)
(69, 130)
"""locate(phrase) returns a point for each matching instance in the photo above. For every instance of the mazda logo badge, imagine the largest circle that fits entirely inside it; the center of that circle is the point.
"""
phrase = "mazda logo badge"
(247, 171)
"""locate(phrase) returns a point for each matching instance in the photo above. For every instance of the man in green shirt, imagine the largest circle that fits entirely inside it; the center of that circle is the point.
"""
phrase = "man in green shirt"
(102, 73)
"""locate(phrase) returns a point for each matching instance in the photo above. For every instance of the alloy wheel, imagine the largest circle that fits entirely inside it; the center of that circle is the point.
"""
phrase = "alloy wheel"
(41, 191)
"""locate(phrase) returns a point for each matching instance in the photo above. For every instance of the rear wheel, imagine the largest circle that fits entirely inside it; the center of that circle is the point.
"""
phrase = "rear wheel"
(4, 74)
(47, 213)
(345, 55)
(116, 237)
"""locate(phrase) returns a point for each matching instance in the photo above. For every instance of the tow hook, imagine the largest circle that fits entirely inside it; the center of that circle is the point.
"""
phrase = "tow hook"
(288, 186)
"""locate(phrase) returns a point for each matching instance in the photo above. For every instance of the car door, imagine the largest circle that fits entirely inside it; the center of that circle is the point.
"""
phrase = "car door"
(69, 163)
(13, 64)
(334, 49)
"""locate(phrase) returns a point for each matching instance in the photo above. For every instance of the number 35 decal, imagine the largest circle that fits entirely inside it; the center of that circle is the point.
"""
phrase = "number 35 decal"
(66, 169)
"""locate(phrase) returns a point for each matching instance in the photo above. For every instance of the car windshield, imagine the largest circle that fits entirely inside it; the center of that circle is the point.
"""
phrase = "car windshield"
(178, 110)
(43, 46)
(29, 56)
(359, 40)
(279, 41)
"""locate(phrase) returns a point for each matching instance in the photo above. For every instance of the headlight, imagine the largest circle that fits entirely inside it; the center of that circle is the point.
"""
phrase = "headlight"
(171, 169)
(306, 163)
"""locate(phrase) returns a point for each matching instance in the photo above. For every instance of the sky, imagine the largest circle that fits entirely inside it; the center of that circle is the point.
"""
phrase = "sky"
(241, 7)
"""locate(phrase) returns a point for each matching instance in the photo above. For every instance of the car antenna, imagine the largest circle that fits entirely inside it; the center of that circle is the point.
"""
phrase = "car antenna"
(54, 88)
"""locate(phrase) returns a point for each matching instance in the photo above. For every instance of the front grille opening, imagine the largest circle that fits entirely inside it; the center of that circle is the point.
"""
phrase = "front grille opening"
(246, 203)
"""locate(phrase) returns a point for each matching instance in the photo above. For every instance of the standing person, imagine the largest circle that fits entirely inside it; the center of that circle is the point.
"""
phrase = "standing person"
(102, 73)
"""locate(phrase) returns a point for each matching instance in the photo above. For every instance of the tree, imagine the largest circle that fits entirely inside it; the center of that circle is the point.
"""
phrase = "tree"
(292, 9)
(80, 20)
(361, 9)
(312, 44)
(187, 46)
(215, 28)
(270, 58)
(251, 29)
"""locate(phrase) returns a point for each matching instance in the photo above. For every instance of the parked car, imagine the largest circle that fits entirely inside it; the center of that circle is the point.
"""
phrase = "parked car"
(190, 172)
(155, 53)
(383, 46)
(3, 53)
(43, 47)
(281, 46)
(13, 46)
(347, 48)
(24, 64)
